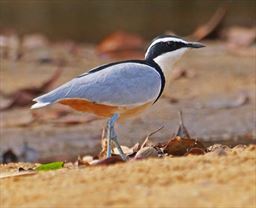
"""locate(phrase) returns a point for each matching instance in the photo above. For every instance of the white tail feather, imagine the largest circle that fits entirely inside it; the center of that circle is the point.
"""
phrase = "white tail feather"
(39, 105)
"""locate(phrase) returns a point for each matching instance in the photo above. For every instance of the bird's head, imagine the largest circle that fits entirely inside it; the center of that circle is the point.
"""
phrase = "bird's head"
(165, 50)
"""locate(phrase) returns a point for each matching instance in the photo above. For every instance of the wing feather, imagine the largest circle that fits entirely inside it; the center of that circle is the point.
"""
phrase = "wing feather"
(122, 84)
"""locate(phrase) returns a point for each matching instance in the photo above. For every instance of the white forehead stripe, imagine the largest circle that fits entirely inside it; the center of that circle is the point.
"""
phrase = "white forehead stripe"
(167, 39)
(164, 40)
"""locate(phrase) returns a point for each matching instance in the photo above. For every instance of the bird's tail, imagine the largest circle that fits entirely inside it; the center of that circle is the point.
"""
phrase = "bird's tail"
(53, 96)
(39, 104)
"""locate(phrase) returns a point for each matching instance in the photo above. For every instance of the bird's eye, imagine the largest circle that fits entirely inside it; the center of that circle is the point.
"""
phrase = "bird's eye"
(171, 44)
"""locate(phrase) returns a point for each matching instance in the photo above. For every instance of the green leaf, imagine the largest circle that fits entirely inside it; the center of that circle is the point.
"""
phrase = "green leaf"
(50, 166)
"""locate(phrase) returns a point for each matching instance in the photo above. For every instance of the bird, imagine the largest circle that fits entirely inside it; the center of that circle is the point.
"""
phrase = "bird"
(121, 89)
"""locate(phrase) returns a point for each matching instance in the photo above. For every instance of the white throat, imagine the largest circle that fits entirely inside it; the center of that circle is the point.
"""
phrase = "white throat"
(167, 60)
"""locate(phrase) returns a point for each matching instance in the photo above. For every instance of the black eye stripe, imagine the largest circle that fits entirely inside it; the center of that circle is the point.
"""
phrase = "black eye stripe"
(163, 47)
(176, 45)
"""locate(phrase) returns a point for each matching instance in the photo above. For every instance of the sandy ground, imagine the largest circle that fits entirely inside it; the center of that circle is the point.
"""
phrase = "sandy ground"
(195, 181)
(217, 97)
(218, 77)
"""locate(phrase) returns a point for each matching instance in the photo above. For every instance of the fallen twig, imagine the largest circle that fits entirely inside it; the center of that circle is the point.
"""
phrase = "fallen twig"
(206, 29)
(149, 135)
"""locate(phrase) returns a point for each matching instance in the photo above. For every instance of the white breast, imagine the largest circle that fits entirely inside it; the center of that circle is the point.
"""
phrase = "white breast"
(167, 60)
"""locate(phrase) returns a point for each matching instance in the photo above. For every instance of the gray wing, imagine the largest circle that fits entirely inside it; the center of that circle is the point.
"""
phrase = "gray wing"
(121, 84)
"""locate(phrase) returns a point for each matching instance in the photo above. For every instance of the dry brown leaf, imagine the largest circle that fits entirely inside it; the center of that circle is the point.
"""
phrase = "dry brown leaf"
(136, 147)
(146, 152)
(127, 150)
(180, 146)
(121, 44)
(83, 161)
(182, 143)
(108, 161)
(119, 41)
(87, 158)
(195, 151)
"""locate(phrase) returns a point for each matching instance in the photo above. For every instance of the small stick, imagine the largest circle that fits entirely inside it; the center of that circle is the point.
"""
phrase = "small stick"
(182, 130)
(149, 135)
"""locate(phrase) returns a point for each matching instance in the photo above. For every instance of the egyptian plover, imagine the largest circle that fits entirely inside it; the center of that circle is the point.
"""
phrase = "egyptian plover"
(121, 89)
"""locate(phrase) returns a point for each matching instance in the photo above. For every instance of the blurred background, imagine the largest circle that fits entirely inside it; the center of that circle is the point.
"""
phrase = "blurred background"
(92, 20)
(46, 43)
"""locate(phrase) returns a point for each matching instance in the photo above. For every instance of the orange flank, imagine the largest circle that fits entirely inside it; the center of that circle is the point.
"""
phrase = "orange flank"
(102, 109)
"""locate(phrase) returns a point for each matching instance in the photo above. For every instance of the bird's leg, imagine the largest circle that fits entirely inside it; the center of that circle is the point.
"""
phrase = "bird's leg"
(111, 135)
(109, 149)
(123, 156)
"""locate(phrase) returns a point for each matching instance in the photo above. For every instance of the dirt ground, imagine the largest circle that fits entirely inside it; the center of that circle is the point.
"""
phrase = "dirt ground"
(215, 80)
(210, 180)
(217, 97)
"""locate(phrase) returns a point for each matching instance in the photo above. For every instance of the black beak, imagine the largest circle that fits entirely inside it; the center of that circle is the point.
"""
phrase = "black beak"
(195, 45)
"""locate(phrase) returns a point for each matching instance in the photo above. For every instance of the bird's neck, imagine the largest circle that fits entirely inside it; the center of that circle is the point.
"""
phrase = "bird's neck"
(167, 61)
